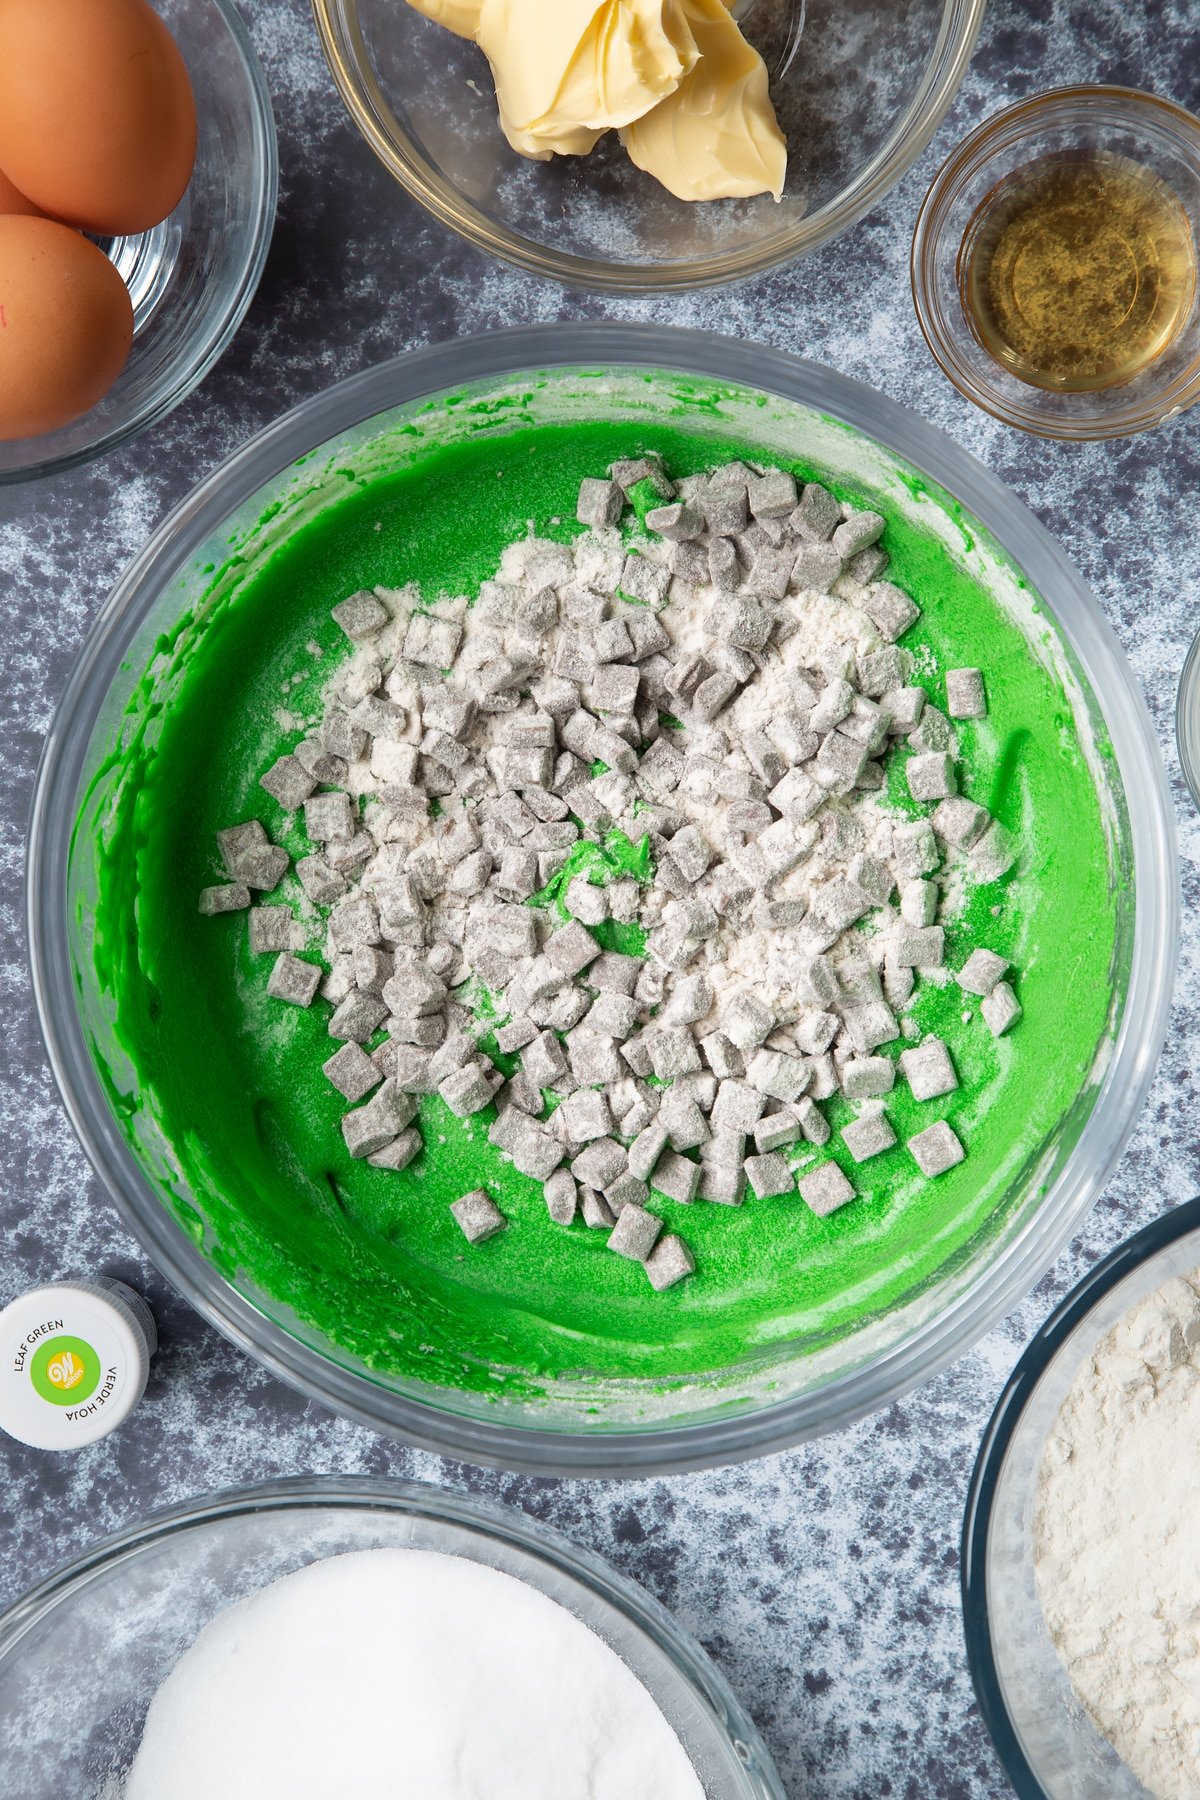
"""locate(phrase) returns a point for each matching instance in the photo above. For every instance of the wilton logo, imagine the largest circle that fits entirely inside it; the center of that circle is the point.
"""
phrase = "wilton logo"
(66, 1371)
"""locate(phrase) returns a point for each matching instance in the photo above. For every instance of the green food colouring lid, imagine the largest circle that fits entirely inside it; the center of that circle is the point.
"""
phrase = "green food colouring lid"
(74, 1357)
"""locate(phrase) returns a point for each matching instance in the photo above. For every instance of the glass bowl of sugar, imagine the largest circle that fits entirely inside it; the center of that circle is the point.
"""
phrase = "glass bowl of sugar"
(1079, 1593)
(83, 1655)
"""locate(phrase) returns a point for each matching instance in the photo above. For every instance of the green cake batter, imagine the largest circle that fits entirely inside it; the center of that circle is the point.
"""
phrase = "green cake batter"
(371, 1259)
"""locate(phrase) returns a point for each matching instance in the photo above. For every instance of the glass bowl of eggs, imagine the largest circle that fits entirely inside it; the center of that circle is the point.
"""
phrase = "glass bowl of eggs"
(762, 129)
(119, 296)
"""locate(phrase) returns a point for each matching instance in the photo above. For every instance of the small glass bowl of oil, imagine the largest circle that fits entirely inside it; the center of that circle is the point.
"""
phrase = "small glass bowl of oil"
(1055, 259)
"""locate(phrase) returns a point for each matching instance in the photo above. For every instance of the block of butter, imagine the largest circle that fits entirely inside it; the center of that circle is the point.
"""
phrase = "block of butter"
(716, 135)
(676, 78)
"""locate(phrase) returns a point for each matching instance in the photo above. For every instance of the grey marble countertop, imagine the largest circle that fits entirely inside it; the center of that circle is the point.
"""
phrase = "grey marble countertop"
(823, 1581)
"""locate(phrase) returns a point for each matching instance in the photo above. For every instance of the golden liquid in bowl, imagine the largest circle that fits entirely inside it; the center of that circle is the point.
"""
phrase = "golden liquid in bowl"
(1078, 271)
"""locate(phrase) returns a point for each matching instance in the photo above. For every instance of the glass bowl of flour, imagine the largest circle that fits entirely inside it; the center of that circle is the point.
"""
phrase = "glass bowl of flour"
(1081, 1586)
(382, 1595)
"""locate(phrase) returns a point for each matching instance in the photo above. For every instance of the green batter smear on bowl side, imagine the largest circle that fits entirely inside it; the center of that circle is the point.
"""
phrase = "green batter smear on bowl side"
(273, 1153)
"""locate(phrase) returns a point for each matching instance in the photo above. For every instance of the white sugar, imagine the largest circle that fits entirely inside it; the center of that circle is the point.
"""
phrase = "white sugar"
(394, 1673)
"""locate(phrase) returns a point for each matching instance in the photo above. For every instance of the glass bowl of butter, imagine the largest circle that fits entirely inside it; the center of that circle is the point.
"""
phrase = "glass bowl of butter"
(648, 145)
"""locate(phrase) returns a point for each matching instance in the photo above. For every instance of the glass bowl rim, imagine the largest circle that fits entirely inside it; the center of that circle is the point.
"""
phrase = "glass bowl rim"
(1036, 110)
(489, 1518)
(202, 355)
(357, 88)
(1188, 695)
(728, 1437)
(1018, 1391)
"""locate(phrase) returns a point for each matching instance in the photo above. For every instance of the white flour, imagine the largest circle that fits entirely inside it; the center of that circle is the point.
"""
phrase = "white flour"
(738, 955)
(1117, 1553)
(404, 1675)
(715, 712)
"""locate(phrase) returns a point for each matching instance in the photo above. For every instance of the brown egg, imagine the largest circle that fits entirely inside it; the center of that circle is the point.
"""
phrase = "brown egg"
(12, 200)
(97, 118)
(66, 326)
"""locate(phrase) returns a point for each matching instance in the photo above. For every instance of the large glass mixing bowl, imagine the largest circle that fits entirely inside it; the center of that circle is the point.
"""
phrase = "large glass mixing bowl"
(82, 1655)
(777, 1393)
(859, 90)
